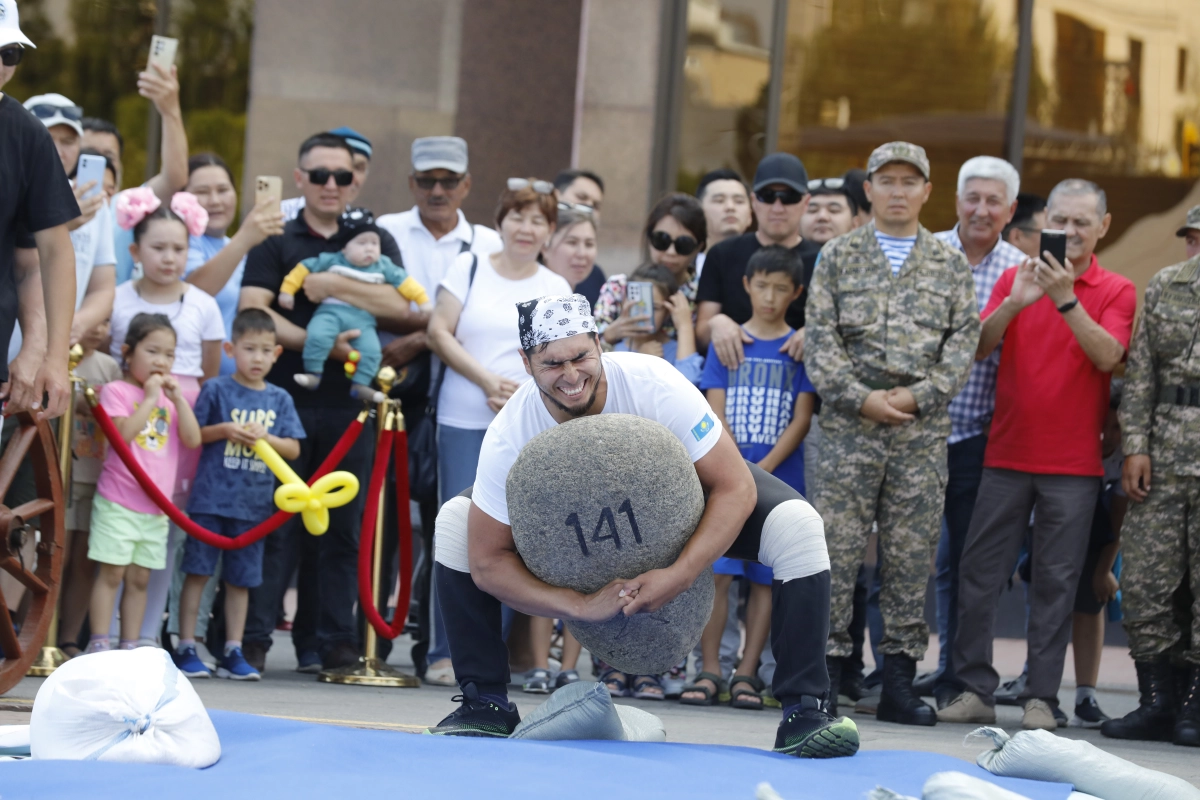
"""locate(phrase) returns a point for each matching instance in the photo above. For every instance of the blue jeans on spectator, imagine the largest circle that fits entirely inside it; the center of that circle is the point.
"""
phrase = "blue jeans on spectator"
(965, 462)
(458, 460)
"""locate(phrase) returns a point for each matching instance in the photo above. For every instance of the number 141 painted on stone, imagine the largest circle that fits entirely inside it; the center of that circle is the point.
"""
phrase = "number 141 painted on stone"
(606, 518)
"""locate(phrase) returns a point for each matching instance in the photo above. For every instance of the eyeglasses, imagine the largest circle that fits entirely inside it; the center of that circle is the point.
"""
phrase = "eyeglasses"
(833, 184)
(427, 184)
(48, 111)
(789, 196)
(11, 56)
(684, 245)
(541, 187)
(576, 208)
(320, 176)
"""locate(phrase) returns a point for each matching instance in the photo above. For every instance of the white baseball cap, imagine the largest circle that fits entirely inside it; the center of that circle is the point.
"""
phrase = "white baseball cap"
(10, 26)
(54, 109)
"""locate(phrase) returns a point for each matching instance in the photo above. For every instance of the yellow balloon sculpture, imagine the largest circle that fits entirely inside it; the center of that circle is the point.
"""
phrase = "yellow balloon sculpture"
(312, 503)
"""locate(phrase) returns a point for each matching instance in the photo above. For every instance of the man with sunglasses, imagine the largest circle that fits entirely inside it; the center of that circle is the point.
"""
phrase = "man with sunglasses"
(324, 176)
(361, 147)
(779, 201)
(893, 326)
(35, 207)
(831, 211)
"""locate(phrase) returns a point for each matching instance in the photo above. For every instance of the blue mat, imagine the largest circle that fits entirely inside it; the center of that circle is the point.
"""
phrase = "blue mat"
(267, 758)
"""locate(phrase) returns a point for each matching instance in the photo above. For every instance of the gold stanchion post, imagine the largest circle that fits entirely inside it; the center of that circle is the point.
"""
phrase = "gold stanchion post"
(51, 658)
(370, 669)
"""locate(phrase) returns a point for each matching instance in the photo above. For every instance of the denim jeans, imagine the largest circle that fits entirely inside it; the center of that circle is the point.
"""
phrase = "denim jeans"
(327, 589)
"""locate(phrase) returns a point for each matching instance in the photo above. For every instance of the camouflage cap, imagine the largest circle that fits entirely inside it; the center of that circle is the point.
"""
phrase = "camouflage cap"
(899, 151)
(1192, 223)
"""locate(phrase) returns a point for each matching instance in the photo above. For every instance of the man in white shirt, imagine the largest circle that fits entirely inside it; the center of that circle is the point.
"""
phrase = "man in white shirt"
(434, 231)
(749, 514)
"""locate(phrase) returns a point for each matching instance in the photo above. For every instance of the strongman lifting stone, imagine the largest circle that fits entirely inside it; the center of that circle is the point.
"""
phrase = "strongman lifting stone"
(605, 497)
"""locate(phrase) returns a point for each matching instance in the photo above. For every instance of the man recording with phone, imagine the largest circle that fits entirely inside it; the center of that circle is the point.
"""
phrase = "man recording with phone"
(1065, 325)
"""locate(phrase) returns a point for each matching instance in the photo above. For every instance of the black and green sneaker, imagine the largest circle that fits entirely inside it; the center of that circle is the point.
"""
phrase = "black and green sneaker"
(809, 732)
(477, 717)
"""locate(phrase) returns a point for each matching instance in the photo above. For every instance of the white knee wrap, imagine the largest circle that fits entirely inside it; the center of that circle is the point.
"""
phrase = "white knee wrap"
(792, 543)
(450, 535)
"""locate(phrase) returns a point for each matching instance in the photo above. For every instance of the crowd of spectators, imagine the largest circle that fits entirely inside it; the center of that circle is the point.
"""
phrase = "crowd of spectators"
(945, 399)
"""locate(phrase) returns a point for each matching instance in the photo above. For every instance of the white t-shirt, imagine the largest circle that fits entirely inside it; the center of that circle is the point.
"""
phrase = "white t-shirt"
(645, 386)
(487, 328)
(196, 319)
(428, 259)
(93, 246)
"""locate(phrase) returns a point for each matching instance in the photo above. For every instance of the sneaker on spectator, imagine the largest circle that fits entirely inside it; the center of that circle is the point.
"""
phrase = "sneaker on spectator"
(255, 654)
(234, 666)
(1009, 691)
(674, 681)
(1060, 716)
(968, 708)
(190, 664)
(1038, 716)
(1088, 714)
(566, 678)
(308, 662)
(441, 673)
(206, 657)
(537, 681)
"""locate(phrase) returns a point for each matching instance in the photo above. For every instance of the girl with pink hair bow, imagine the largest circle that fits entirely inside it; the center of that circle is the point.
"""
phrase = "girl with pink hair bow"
(159, 251)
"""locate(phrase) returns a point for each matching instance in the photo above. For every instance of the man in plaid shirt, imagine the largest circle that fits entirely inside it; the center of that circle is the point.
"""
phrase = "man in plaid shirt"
(986, 200)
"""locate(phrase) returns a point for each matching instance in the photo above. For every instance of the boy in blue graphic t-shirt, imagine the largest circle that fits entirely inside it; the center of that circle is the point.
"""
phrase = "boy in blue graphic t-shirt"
(234, 490)
(766, 404)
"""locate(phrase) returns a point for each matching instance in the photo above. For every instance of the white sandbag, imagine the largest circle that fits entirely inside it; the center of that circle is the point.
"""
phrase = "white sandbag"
(1042, 756)
(14, 740)
(133, 706)
(641, 726)
(960, 786)
(582, 710)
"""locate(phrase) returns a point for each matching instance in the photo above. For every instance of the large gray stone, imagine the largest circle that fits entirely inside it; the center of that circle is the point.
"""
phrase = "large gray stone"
(605, 497)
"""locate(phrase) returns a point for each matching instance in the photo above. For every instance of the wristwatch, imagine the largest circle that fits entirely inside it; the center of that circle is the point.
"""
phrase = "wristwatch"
(1065, 307)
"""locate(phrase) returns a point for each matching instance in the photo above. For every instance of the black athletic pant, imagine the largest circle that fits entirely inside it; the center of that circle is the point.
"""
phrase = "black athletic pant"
(799, 616)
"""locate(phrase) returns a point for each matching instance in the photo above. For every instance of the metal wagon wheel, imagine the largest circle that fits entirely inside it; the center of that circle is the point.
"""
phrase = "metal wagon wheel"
(23, 626)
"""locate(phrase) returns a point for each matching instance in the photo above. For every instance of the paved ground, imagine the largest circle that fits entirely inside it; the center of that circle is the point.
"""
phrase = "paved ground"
(286, 693)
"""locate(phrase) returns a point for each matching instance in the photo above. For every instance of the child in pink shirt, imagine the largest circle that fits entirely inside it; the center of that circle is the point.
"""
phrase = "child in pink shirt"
(128, 535)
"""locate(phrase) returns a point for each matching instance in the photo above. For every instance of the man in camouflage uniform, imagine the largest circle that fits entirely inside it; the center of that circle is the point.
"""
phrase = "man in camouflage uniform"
(1160, 426)
(892, 327)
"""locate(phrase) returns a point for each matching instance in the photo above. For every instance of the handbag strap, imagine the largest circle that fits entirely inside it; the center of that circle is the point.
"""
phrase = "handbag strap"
(437, 386)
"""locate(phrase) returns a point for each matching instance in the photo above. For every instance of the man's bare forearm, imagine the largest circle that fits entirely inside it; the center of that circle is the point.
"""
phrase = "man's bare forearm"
(57, 259)
(505, 577)
(31, 309)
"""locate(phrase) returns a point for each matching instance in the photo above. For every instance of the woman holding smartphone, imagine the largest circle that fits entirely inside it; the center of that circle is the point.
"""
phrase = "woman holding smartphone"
(676, 232)
(215, 261)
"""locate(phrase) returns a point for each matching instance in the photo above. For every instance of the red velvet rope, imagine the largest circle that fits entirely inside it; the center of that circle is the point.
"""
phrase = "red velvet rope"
(218, 541)
(366, 543)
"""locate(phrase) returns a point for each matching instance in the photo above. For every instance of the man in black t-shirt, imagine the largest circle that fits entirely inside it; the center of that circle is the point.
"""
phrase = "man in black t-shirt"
(780, 198)
(324, 632)
(35, 204)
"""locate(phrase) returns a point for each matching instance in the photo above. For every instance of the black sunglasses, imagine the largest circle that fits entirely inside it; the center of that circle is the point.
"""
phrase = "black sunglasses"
(684, 245)
(448, 184)
(320, 176)
(789, 196)
(11, 56)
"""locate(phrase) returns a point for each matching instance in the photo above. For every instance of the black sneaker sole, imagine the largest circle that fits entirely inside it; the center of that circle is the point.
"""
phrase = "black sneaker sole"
(466, 732)
(836, 740)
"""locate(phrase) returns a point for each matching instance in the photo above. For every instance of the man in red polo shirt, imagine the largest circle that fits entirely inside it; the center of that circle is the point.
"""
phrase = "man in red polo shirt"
(1064, 328)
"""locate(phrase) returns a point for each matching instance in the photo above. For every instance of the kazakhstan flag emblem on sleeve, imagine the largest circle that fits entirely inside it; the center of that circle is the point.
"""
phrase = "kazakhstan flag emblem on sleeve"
(702, 427)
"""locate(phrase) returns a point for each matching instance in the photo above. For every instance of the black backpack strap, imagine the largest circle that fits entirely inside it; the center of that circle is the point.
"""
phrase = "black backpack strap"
(437, 386)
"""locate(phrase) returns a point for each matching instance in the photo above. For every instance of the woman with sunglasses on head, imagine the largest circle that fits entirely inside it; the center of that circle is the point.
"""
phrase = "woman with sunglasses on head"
(676, 231)
(215, 262)
(473, 330)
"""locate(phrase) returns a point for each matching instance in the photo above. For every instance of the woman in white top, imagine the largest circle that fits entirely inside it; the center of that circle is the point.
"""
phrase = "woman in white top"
(473, 331)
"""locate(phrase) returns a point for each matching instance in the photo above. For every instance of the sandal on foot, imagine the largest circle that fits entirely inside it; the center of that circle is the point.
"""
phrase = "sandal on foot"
(614, 681)
(644, 686)
(711, 698)
(537, 681)
(742, 697)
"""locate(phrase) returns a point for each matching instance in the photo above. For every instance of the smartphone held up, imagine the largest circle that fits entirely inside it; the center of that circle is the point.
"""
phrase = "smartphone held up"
(268, 187)
(162, 53)
(1054, 242)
